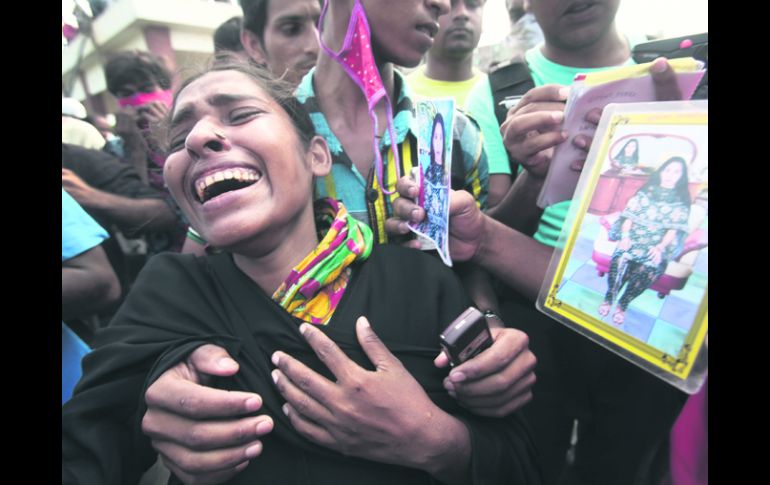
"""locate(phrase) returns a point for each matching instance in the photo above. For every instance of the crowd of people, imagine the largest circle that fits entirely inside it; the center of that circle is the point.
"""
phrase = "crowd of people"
(237, 257)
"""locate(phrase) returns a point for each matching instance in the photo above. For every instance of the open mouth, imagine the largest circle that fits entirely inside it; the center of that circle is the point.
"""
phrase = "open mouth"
(429, 29)
(223, 181)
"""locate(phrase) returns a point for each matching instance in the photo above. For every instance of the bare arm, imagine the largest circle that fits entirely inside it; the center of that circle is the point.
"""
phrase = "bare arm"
(134, 216)
(88, 284)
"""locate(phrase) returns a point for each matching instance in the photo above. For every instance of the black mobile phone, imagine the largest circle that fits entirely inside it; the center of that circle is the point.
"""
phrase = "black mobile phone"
(696, 46)
(467, 336)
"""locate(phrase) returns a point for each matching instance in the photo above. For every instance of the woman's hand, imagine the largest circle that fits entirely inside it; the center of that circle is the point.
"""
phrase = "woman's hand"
(382, 415)
(655, 254)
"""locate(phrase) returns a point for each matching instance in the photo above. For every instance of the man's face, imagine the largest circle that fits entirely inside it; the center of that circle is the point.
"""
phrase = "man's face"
(403, 30)
(289, 46)
(574, 24)
(459, 30)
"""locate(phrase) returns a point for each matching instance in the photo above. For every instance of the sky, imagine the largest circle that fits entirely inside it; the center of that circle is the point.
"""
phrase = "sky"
(666, 18)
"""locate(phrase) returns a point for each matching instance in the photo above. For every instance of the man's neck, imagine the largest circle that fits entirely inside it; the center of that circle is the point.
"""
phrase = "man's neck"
(452, 70)
(611, 50)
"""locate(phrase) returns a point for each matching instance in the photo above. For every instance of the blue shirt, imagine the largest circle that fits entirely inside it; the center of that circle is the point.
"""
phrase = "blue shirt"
(79, 232)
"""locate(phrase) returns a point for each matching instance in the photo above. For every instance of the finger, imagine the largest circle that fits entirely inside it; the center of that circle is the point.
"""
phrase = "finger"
(300, 400)
(540, 107)
(548, 92)
(186, 398)
(378, 353)
(517, 127)
(501, 411)
(594, 115)
(583, 142)
(205, 435)
(301, 385)
(308, 428)
(664, 81)
(508, 344)
(441, 360)
(577, 165)
(533, 144)
(207, 478)
(407, 187)
(406, 210)
(206, 462)
(213, 360)
(396, 227)
(327, 351)
(494, 390)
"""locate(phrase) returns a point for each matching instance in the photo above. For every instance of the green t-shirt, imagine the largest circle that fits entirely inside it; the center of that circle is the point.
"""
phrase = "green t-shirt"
(543, 72)
(423, 87)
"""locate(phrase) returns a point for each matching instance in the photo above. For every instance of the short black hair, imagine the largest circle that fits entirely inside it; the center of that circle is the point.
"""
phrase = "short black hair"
(227, 37)
(135, 67)
(255, 16)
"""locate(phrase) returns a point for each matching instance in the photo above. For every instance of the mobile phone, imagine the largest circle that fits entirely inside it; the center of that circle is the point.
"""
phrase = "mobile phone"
(696, 46)
(467, 336)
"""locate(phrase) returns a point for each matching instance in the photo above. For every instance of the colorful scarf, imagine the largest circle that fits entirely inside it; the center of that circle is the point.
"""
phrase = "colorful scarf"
(315, 286)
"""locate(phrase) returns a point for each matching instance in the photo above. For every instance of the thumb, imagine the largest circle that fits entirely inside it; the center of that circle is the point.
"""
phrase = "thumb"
(441, 360)
(213, 360)
(373, 347)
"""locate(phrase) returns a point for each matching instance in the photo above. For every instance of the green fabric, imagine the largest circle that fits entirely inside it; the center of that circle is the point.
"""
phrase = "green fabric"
(480, 106)
(315, 286)
(543, 72)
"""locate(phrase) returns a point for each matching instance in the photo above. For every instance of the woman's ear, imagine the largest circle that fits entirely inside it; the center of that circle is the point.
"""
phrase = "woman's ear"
(319, 156)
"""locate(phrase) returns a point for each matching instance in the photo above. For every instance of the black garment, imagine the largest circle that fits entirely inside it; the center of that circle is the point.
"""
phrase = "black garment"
(623, 412)
(181, 301)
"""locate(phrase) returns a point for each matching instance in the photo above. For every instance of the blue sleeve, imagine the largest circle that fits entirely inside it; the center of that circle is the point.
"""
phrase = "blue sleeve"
(79, 232)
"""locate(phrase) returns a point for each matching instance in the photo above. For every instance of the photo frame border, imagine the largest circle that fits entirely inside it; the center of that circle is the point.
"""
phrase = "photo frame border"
(687, 370)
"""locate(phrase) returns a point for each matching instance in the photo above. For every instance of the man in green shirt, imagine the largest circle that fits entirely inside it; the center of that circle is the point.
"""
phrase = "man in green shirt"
(623, 413)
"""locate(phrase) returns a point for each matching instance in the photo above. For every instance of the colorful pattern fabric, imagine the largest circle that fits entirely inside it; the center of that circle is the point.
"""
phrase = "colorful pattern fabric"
(315, 286)
(361, 192)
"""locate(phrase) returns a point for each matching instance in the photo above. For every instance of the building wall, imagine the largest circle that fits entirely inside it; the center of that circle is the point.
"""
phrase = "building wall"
(179, 31)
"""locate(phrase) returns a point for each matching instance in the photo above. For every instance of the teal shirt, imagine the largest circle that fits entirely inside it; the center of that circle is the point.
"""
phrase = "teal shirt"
(357, 191)
(480, 106)
(543, 72)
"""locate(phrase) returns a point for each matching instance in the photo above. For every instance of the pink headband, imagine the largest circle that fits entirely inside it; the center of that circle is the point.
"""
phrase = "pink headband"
(140, 99)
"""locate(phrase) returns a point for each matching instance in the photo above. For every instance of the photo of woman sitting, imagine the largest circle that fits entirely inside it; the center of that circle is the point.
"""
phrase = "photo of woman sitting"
(650, 230)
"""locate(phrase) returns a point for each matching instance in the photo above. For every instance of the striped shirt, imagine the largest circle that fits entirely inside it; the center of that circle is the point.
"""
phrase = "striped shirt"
(361, 194)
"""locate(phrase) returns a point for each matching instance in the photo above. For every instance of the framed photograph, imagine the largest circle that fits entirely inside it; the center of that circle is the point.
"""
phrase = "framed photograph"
(435, 119)
(630, 270)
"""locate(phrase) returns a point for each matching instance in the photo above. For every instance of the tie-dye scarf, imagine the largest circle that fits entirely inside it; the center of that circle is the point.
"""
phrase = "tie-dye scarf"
(315, 286)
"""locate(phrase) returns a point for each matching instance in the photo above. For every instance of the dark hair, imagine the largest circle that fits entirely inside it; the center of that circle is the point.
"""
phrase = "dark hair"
(255, 16)
(227, 37)
(681, 189)
(438, 120)
(135, 68)
(625, 159)
(280, 91)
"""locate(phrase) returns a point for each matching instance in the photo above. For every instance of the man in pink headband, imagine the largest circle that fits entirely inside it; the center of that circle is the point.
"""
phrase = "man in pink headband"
(142, 85)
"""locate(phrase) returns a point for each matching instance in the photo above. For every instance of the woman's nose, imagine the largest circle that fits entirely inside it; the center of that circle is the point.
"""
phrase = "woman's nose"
(206, 138)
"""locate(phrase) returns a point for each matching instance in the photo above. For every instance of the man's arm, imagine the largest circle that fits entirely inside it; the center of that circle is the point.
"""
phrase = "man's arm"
(88, 284)
(133, 216)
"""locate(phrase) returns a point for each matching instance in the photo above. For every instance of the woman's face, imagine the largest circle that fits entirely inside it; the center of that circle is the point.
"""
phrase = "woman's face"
(403, 30)
(630, 148)
(671, 175)
(236, 167)
(438, 144)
